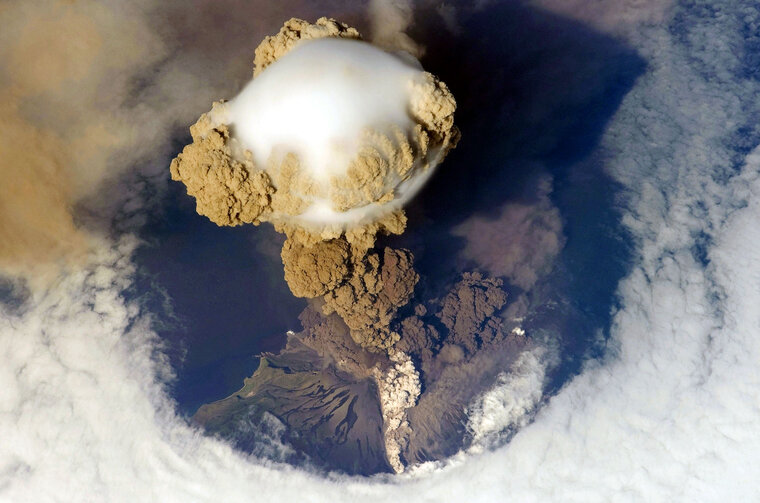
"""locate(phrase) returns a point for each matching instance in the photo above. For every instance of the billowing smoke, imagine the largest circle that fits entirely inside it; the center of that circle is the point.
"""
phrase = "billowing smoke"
(332, 137)
(328, 142)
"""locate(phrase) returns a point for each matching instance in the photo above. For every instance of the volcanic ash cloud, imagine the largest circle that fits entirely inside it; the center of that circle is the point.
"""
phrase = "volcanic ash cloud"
(328, 142)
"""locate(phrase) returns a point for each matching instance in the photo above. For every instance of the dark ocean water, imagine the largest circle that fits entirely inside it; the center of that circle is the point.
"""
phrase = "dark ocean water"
(534, 92)
(227, 299)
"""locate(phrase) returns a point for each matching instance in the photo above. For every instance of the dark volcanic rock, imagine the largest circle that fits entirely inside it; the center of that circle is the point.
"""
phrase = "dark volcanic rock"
(331, 415)
(321, 386)
(457, 360)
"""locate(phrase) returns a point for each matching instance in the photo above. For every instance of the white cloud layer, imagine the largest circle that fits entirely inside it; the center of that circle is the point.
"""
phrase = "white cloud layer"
(672, 413)
(510, 403)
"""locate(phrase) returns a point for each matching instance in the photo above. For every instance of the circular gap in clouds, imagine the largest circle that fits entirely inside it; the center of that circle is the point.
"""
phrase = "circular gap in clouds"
(570, 307)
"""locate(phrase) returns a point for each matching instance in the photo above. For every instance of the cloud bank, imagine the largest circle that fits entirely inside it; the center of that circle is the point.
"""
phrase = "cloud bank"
(670, 414)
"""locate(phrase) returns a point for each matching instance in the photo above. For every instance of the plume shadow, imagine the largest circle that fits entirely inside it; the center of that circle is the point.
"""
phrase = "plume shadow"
(534, 92)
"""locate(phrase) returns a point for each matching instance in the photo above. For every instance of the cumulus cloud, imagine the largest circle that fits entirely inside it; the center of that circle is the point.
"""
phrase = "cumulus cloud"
(509, 405)
(670, 414)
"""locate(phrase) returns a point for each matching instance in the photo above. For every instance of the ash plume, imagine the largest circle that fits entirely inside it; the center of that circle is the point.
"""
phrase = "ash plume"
(328, 142)
(390, 20)
(55, 59)
(521, 243)
(85, 97)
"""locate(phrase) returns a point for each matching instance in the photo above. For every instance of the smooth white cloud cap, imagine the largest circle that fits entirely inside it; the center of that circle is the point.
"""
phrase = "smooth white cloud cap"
(316, 101)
